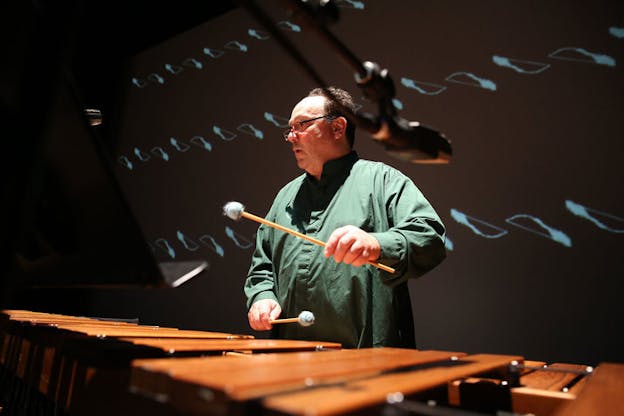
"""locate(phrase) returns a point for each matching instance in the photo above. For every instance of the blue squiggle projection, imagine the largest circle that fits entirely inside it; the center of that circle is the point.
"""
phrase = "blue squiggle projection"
(285, 24)
(520, 66)
(188, 244)
(137, 82)
(258, 34)
(235, 45)
(278, 121)
(470, 222)
(351, 4)
(141, 155)
(164, 245)
(582, 55)
(618, 32)
(179, 146)
(200, 141)
(154, 77)
(226, 135)
(160, 152)
(251, 130)
(551, 233)
(397, 104)
(192, 63)
(590, 215)
(473, 80)
(238, 239)
(213, 53)
(212, 244)
(125, 162)
(174, 69)
(424, 88)
(448, 243)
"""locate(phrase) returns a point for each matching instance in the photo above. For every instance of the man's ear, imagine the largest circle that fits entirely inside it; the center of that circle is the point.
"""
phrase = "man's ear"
(339, 127)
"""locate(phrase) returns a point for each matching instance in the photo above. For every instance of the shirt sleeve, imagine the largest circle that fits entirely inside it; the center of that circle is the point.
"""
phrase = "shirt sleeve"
(260, 283)
(413, 244)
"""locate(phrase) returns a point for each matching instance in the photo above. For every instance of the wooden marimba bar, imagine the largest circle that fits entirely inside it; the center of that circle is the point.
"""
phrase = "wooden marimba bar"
(50, 363)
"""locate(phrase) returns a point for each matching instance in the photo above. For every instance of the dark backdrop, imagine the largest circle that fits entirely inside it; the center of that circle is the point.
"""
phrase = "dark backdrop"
(530, 95)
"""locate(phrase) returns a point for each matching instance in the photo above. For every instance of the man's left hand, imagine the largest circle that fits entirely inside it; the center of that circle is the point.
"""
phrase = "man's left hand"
(352, 245)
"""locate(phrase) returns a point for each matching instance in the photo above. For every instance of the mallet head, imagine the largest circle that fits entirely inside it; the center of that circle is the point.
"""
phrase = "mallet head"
(233, 210)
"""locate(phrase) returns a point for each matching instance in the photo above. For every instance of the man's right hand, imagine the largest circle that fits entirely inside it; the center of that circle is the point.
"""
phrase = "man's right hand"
(261, 312)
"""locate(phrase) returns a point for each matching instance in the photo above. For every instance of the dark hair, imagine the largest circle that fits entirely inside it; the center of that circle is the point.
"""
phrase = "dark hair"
(345, 99)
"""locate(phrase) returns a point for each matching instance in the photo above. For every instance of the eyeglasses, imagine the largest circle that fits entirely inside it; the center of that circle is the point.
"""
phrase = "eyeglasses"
(298, 126)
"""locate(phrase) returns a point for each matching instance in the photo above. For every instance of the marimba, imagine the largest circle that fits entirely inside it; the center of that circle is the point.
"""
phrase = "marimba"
(59, 364)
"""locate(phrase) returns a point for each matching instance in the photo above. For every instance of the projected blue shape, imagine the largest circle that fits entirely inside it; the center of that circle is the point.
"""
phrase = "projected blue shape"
(174, 69)
(520, 66)
(448, 244)
(425, 88)
(582, 55)
(164, 245)
(213, 53)
(486, 230)
(590, 215)
(224, 134)
(188, 244)
(199, 141)
(351, 4)
(235, 45)
(138, 82)
(125, 162)
(160, 152)
(468, 78)
(212, 244)
(238, 239)
(154, 77)
(258, 34)
(179, 146)
(281, 122)
(142, 156)
(618, 32)
(551, 233)
(251, 130)
(285, 24)
(397, 104)
(192, 63)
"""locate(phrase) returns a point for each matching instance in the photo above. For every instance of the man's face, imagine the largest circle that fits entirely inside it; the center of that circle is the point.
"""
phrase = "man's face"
(313, 142)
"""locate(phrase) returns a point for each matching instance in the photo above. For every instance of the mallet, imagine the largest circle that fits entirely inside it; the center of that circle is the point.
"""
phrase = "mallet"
(236, 210)
(305, 318)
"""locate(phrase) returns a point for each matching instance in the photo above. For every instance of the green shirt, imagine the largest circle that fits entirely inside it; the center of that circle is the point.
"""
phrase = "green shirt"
(355, 306)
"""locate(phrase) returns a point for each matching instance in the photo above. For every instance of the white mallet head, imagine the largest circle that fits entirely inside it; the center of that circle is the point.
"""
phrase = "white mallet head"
(306, 318)
(233, 210)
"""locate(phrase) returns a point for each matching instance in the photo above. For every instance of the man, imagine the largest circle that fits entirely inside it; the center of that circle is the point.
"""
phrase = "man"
(365, 211)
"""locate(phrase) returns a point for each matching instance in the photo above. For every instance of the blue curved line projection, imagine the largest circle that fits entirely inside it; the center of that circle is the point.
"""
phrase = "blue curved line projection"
(192, 63)
(351, 4)
(174, 69)
(258, 34)
(238, 239)
(551, 233)
(137, 82)
(520, 66)
(179, 146)
(213, 53)
(164, 245)
(212, 244)
(618, 32)
(470, 222)
(278, 121)
(397, 104)
(285, 24)
(448, 243)
(160, 152)
(424, 88)
(582, 55)
(188, 244)
(201, 142)
(468, 78)
(125, 162)
(226, 135)
(154, 77)
(590, 215)
(235, 45)
(251, 130)
(142, 156)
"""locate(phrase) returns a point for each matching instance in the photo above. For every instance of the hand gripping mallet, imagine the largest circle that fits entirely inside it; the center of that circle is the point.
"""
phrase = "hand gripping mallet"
(305, 318)
(236, 210)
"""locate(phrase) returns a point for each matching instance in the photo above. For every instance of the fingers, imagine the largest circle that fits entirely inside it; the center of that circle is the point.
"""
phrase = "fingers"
(351, 245)
(262, 312)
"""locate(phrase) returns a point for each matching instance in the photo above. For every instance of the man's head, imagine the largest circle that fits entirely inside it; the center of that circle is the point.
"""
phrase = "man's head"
(318, 130)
